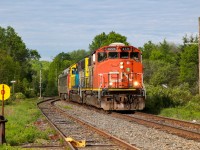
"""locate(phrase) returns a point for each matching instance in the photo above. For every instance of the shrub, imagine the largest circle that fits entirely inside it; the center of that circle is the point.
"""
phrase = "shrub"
(194, 104)
(180, 95)
(20, 96)
(30, 93)
(159, 97)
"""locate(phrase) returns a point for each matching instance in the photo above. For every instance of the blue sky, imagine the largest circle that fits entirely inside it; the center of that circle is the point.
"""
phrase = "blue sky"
(54, 26)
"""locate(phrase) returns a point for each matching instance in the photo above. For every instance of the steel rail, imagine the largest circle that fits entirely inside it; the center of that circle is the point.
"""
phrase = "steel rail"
(171, 120)
(170, 129)
(55, 127)
(103, 133)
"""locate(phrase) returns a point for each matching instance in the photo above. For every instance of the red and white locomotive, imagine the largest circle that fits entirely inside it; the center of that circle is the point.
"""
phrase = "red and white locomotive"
(111, 78)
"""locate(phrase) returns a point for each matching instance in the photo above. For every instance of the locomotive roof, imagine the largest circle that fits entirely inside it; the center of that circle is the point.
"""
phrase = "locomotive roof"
(112, 44)
(64, 72)
(117, 44)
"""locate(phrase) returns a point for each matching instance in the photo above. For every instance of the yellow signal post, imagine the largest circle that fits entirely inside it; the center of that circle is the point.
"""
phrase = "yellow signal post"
(4, 95)
(5, 92)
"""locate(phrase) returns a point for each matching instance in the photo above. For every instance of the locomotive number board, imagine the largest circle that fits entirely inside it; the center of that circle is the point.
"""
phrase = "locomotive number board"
(111, 48)
(114, 48)
(125, 48)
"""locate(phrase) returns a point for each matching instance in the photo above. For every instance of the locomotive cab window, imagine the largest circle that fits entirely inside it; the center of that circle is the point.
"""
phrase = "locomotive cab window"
(124, 55)
(74, 71)
(135, 56)
(113, 55)
(102, 56)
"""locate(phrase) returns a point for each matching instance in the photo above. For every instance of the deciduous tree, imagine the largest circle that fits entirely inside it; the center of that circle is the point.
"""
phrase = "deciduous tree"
(106, 39)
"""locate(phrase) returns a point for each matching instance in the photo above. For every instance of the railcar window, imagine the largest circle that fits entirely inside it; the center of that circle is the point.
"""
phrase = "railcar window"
(102, 56)
(135, 56)
(113, 55)
(124, 55)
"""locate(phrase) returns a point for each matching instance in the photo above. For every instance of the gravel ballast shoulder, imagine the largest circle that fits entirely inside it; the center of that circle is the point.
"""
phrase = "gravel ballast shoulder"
(143, 137)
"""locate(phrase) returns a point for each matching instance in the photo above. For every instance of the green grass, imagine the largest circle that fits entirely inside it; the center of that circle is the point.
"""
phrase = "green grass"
(20, 128)
(183, 113)
(67, 107)
(188, 112)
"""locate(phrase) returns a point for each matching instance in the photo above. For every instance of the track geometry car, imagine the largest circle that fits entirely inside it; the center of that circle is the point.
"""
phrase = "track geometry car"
(110, 78)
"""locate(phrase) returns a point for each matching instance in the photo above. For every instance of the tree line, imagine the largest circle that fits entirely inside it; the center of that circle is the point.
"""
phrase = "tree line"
(170, 70)
(171, 74)
(15, 60)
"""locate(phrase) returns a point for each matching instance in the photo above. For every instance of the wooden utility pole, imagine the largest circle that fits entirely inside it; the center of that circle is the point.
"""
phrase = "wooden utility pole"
(199, 54)
(40, 84)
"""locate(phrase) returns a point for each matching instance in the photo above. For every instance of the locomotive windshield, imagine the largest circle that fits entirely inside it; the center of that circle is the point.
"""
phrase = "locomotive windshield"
(124, 55)
(135, 56)
(74, 71)
(102, 56)
(113, 55)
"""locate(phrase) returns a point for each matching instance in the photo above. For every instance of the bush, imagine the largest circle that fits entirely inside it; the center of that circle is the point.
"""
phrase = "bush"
(194, 104)
(159, 97)
(181, 95)
(20, 96)
(30, 94)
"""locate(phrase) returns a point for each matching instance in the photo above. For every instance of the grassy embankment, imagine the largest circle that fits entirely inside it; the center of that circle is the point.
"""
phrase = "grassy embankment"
(21, 128)
(188, 113)
(177, 102)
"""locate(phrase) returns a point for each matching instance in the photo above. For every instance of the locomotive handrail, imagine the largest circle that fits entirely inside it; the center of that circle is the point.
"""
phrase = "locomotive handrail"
(100, 86)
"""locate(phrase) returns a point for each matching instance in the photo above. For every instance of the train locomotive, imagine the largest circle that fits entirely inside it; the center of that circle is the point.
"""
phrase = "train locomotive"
(110, 78)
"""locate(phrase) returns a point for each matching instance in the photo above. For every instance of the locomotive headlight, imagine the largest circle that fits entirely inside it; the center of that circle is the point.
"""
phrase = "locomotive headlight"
(121, 66)
(136, 83)
(110, 83)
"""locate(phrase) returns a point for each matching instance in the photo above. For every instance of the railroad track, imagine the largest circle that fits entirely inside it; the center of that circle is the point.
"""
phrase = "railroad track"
(181, 128)
(70, 126)
(187, 130)
(130, 131)
(48, 111)
(194, 127)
